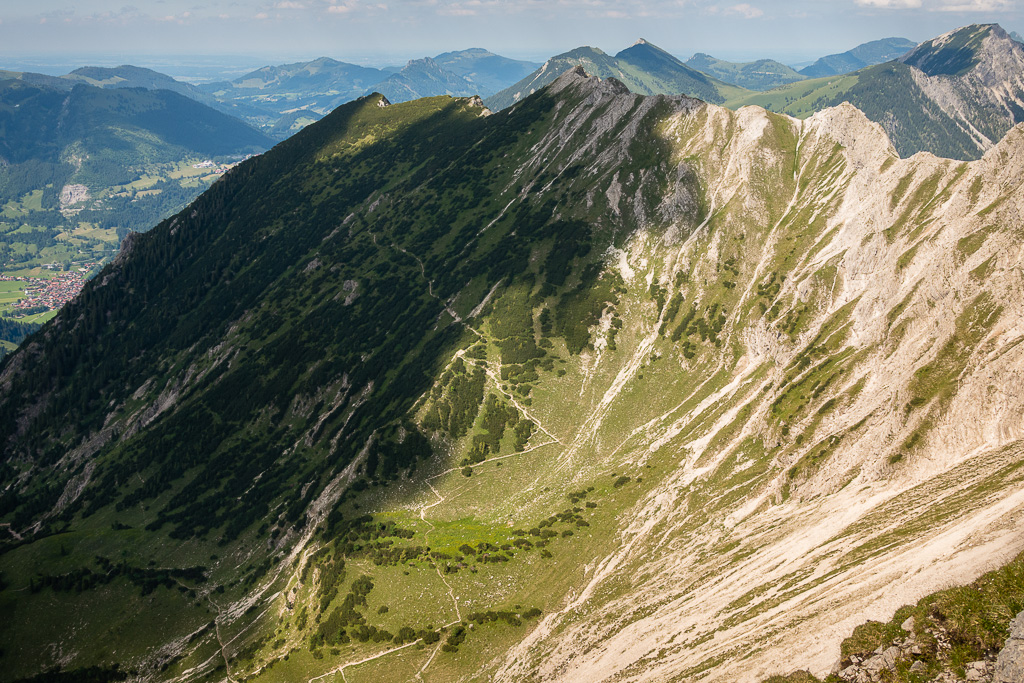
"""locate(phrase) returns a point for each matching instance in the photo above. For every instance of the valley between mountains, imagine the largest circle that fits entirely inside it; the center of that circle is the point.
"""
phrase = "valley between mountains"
(602, 386)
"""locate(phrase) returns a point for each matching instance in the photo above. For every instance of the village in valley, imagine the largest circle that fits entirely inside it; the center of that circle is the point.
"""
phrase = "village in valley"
(47, 294)
(47, 253)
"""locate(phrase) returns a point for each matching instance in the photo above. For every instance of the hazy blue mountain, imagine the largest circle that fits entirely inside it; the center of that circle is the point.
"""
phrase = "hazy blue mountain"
(127, 76)
(423, 78)
(316, 76)
(866, 54)
(55, 82)
(319, 86)
(39, 122)
(593, 60)
(487, 71)
(763, 74)
(278, 95)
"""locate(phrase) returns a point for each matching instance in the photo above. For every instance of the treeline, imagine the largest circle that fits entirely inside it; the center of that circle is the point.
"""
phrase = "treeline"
(14, 331)
(17, 180)
(91, 674)
(146, 579)
(457, 397)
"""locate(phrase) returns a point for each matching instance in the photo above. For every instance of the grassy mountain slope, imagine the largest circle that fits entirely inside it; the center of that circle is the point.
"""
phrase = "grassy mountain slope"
(649, 70)
(953, 96)
(599, 386)
(762, 74)
(866, 54)
(644, 68)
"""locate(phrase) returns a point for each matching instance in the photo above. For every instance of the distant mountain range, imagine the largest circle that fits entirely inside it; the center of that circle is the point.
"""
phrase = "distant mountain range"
(423, 78)
(99, 127)
(284, 97)
(487, 71)
(644, 68)
(128, 76)
(954, 96)
(866, 54)
(317, 86)
(763, 74)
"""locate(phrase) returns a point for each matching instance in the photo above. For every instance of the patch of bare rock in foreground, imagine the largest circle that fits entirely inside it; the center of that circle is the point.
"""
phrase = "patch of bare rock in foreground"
(907, 656)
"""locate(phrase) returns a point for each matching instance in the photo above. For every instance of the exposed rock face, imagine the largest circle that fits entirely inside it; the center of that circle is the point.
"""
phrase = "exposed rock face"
(980, 86)
(1010, 664)
(73, 194)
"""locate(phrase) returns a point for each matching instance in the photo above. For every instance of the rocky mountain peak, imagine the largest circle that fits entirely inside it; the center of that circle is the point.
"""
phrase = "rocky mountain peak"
(866, 142)
(422, 63)
(578, 76)
(957, 52)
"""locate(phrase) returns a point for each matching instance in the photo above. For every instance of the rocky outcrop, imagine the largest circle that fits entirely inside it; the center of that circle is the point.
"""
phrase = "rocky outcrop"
(1010, 664)
(910, 654)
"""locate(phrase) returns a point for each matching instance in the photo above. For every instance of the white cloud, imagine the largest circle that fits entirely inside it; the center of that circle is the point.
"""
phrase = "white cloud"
(289, 4)
(889, 4)
(262, 15)
(944, 5)
(745, 10)
(180, 19)
(353, 6)
(976, 6)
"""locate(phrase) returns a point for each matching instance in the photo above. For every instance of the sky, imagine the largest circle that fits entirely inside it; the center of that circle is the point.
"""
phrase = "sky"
(393, 31)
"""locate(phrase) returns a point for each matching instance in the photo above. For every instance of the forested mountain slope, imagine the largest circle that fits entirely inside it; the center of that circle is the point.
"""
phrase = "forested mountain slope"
(601, 386)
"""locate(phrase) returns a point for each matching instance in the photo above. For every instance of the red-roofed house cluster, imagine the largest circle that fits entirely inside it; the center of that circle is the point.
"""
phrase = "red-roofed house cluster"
(49, 292)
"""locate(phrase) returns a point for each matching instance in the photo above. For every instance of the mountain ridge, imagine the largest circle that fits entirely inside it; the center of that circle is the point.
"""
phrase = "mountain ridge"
(421, 76)
(866, 54)
(643, 67)
(956, 115)
(762, 74)
(735, 303)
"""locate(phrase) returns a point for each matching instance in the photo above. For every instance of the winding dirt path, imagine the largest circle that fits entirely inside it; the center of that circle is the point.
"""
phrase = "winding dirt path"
(341, 669)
